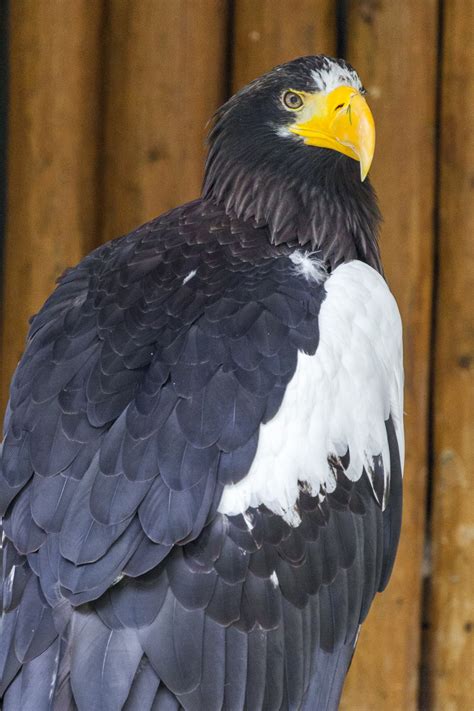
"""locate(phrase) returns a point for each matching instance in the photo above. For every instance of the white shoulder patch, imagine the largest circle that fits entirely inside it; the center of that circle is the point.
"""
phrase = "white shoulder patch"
(338, 398)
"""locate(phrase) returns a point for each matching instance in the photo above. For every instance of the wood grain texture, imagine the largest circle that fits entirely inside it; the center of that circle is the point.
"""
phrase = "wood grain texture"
(165, 76)
(394, 51)
(53, 143)
(269, 32)
(451, 613)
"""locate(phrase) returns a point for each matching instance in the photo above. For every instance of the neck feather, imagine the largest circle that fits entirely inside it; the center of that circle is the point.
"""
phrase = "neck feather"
(305, 196)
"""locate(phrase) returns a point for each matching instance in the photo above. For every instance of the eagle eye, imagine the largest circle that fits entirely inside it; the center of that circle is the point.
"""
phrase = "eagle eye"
(292, 100)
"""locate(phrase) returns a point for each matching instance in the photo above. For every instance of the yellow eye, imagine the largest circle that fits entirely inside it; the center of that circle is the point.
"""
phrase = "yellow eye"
(292, 100)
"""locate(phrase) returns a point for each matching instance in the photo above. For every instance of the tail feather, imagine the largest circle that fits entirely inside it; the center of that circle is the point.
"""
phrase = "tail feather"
(9, 662)
(63, 696)
(33, 687)
(144, 688)
(325, 690)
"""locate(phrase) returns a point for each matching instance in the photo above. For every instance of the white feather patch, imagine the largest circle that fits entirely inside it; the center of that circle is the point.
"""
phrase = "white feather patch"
(338, 398)
(332, 75)
(309, 267)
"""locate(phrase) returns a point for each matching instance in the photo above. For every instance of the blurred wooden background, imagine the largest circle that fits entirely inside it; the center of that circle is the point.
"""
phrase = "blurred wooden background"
(108, 104)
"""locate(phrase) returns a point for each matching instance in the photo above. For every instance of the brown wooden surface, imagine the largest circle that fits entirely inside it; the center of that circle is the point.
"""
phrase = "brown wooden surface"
(394, 51)
(268, 32)
(53, 132)
(451, 613)
(165, 76)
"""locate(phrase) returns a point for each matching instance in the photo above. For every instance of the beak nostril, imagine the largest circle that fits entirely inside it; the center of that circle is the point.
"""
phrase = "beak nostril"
(339, 106)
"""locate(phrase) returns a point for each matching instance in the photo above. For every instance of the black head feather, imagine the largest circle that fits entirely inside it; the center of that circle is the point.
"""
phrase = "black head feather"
(306, 195)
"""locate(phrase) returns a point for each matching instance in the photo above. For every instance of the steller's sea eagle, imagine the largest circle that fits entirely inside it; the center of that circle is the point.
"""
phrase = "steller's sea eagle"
(202, 467)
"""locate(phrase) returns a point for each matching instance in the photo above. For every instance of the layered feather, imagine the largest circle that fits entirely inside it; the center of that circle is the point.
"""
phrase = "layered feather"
(142, 394)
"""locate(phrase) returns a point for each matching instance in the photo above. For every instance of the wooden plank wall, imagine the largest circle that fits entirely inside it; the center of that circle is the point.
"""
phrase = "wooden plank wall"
(107, 97)
(451, 634)
(165, 75)
(53, 127)
(398, 64)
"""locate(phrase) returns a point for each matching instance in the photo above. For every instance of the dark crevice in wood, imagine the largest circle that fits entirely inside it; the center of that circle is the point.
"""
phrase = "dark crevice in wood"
(229, 50)
(341, 28)
(4, 47)
(424, 687)
(100, 177)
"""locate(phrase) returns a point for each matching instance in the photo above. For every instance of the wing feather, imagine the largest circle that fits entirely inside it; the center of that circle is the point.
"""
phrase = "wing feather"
(149, 382)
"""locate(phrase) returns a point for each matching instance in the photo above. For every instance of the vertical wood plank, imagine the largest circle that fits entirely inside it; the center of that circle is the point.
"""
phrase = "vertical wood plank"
(53, 132)
(165, 76)
(451, 613)
(269, 32)
(394, 51)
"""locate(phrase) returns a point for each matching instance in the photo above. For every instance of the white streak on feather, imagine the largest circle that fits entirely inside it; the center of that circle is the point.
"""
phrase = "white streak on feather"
(8, 584)
(248, 518)
(338, 398)
(52, 686)
(357, 635)
(189, 276)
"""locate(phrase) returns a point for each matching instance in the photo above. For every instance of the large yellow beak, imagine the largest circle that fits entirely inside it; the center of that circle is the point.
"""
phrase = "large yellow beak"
(340, 120)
